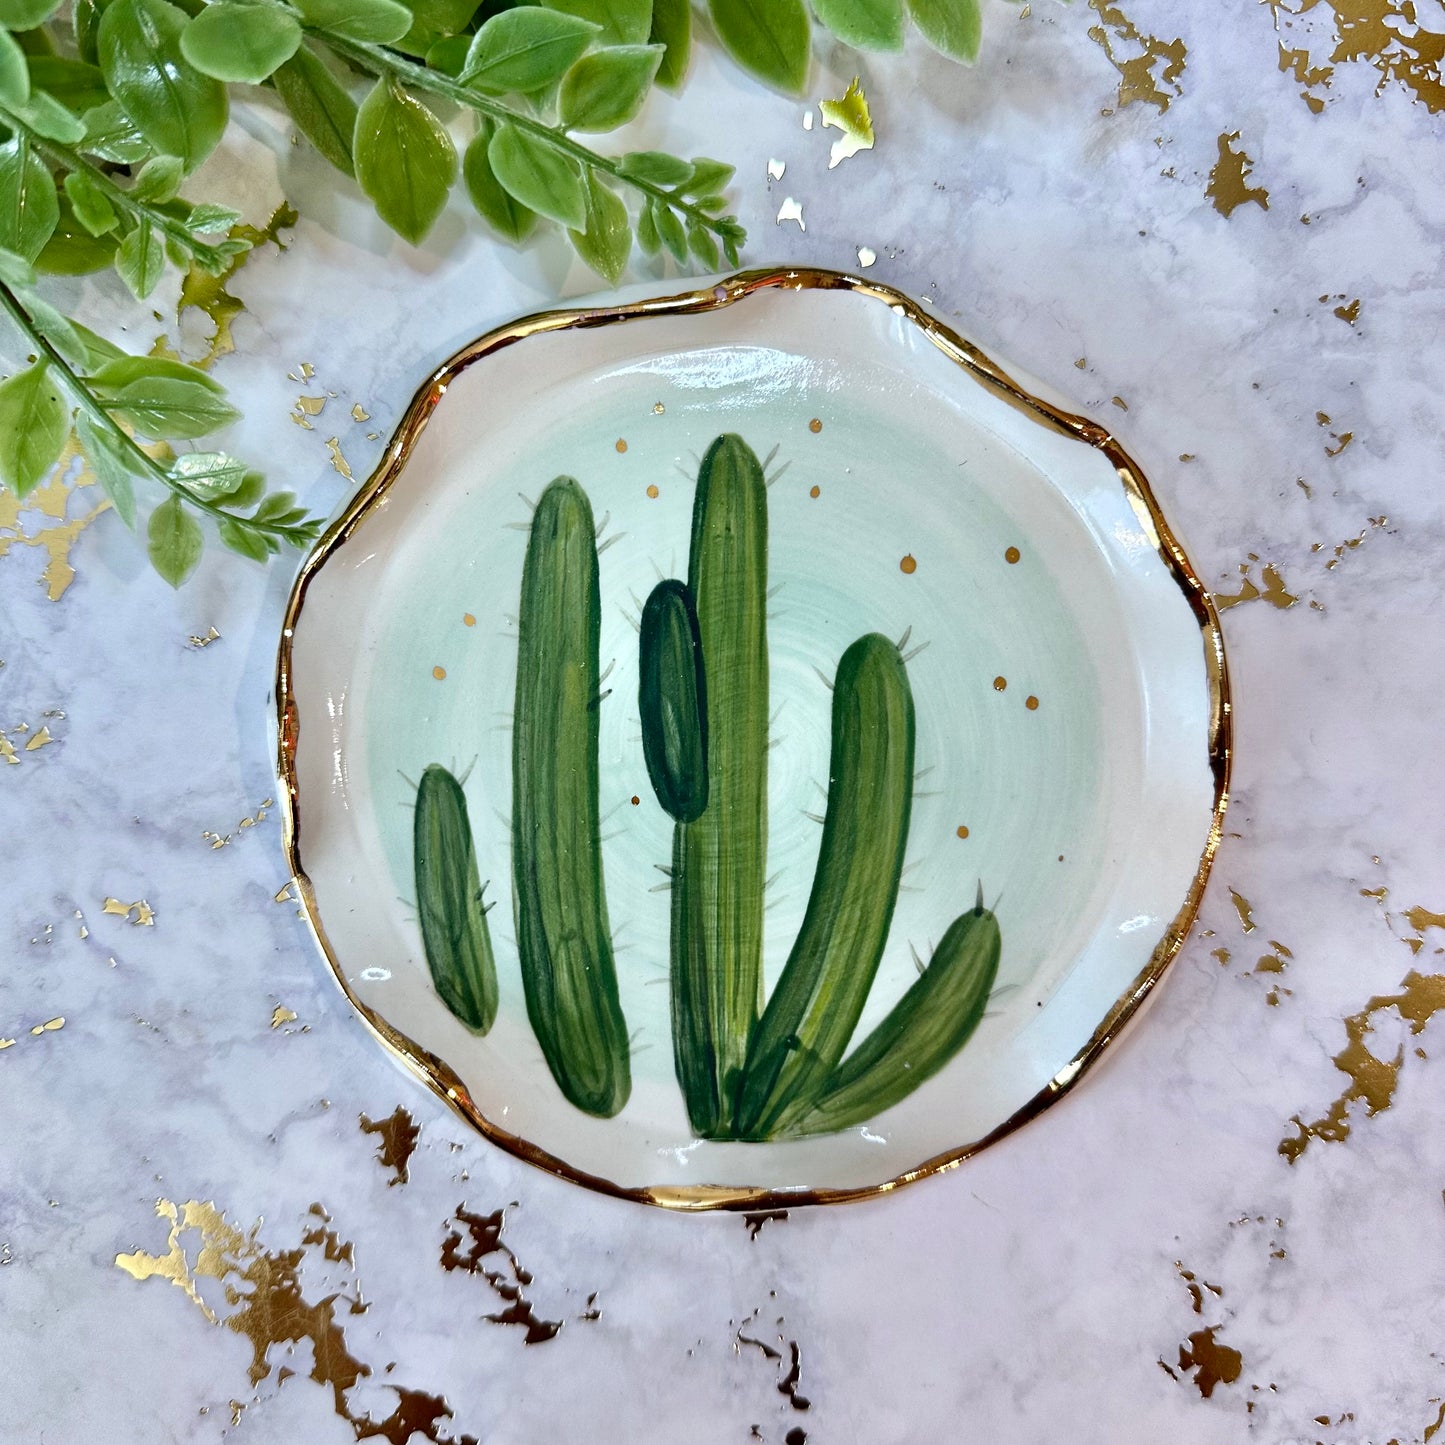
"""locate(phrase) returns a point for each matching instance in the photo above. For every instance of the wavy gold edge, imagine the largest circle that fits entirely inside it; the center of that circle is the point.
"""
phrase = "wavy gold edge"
(716, 296)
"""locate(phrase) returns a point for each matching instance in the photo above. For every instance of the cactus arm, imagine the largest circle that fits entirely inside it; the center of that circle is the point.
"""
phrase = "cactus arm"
(720, 858)
(815, 1007)
(454, 930)
(672, 701)
(568, 973)
(924, 1030)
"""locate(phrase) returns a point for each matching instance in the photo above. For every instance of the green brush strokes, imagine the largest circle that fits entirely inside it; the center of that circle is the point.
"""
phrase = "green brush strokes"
(924, 1030)
(824, 986)
(559, 896)
(672, 698)
(454, 928)
(719, 860)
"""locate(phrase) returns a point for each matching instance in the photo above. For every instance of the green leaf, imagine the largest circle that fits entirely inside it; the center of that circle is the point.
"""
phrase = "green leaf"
(111, 134)
(58, 330)
(34, 423)
(525, 49)
(29, 208)
(140, 260)
(702, 244)
(26, 14)
(496, 206)
(606, 89)
(657, 168)
(208, 218)
(174, 541)
(98, 349)
(374, 22)
(162, 398)
(279, 508)
(405, 160)
(253, 486)
(606, 242)
(443, 17)
(77, 86)
(449, 54)
(71, 249)
(647, 236)
(952, 27)
(114, 465)
(14, 72)
(669, 228)
(209, 475)
(15, 270)
(85, 19)
(90, 204)
(539, 176)
(243, 539)
(47, 117)
(672, 27)
(863, 24)
(623, 22)
(324, 113)
(177, 109)
(243, 43)
(159, 179)
(769, 38)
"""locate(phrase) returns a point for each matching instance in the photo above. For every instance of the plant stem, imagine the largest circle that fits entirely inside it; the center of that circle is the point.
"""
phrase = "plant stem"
(92, 405)
(70, 159)
(378, 61)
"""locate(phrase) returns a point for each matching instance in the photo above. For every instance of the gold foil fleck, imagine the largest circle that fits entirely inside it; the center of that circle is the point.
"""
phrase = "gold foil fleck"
(211, 635)
(333, 445)
(485, 1241)
(49, 1026)
(1311, 77)
(1372, 1080)
(1342, 440)
(216, 840)
(311, 405)
(1274, 591)
(282, 1015)
(1228, 185)
(1120, 403)
(1082, 363)
(776, 169)
(1213, 1363)
(1245, 909)
(851, 116)
(304, 372)
(145, 916)
(792, 210)
(866, 256)
(39, 740)
(1350, 312)
(7, 751)
(360, 413)
(399, 1134)
(1149, 68)
(7, 1043)
(1222, 955)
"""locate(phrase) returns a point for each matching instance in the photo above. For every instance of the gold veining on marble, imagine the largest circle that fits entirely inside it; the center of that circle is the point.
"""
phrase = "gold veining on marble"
(263, 1296)
(1387, 35)
(983, 370)
(1373, 1080)
(399, 1133)
(51, 501)
(1149, 68)
(483, 1238)
(1228, 186)
(145, 916)
(1213, 1363)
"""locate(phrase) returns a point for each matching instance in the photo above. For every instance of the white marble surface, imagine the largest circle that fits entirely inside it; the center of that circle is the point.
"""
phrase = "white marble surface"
(1036, 1294)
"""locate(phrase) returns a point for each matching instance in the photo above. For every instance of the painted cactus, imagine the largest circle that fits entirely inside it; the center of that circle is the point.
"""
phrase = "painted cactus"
(559, 896)
(749, 1072)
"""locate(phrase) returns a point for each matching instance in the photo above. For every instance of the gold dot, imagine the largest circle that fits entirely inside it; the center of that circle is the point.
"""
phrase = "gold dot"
(635, 800)
(1061, 857)
(815, 426)
(439, 673)
(1012, 555)
(962, 831)
(999, 683)
(652, 491)
(468, 620)
(658, 409)
(1032, 703)
(815, 492)
(909, 564)
(621, 445)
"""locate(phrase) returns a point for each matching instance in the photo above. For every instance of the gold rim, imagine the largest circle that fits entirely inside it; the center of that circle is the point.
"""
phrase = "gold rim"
(436, 1072)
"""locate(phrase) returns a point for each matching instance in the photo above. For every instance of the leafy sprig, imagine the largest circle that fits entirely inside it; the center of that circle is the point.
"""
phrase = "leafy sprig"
(119, 397)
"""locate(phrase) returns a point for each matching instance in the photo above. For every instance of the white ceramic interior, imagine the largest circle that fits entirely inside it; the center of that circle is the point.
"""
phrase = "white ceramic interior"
(1087, 817)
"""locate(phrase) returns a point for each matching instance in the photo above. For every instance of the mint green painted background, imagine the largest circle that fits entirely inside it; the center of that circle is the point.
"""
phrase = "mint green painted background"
(1026, 784)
